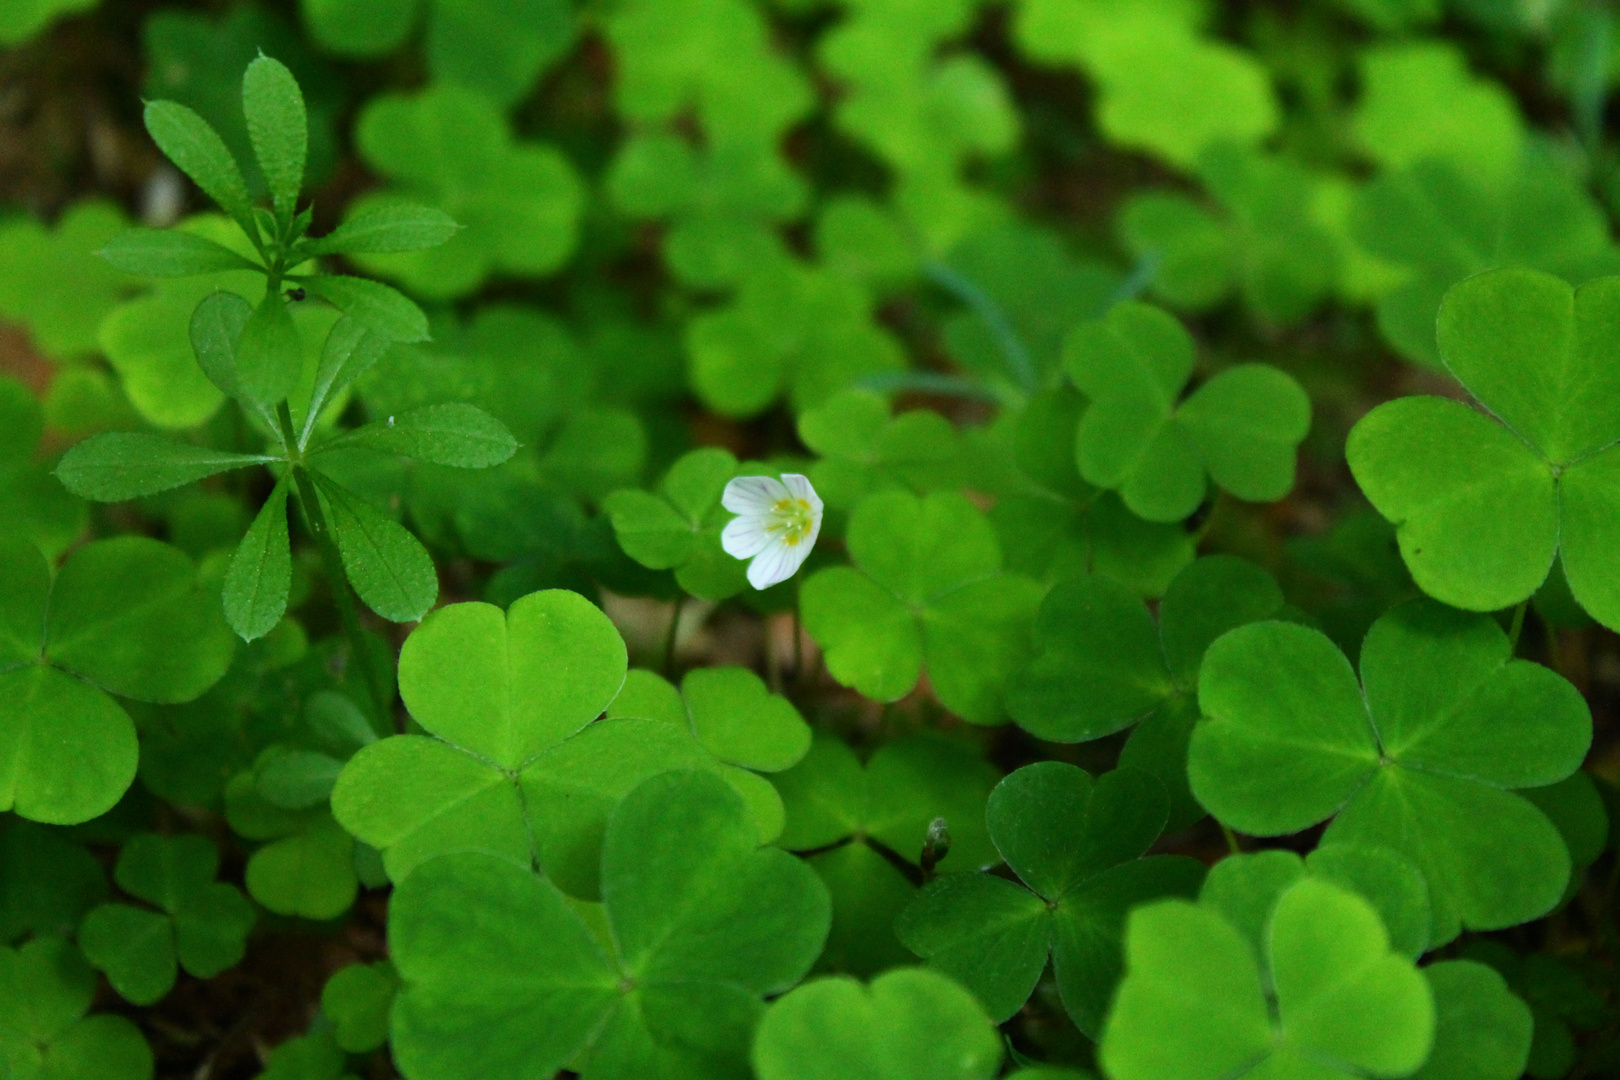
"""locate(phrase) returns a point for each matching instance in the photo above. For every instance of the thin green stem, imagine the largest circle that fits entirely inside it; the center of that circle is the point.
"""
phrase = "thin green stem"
(376, 682)
(1517, 626)
(1231, 837)
(670, 636)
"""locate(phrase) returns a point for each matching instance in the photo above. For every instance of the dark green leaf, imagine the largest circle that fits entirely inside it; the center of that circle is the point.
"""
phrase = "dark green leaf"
(404, 227)
(456, 434)
(274, 107)
(188, 141)
(260, 573)
(388, 566)
(373, 305)
(116, 466)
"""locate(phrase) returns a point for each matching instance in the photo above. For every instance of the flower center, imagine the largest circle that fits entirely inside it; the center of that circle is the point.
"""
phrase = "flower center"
(791, 520)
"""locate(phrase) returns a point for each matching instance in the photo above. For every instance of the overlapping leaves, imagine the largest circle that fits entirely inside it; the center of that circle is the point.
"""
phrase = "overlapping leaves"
(1421, 755)
(503, 977)
(927, 587)
(1074, 844)
(1158, 450)
(1483, 506)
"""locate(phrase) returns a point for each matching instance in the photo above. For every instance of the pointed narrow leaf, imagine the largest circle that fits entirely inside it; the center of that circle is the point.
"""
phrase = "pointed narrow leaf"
(274, 107)
(261, 571)
(216, 333)
(350, 350)
(373, 305)
(388, 566)
(268, 354)
(187, 140)
(455, 433)
(170, 253)
(387, 229)
(118, 465)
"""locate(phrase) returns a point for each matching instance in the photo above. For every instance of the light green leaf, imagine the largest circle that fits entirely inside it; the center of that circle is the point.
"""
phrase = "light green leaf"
(1192, 1007)
(45, 990)
(1241, 427)
(908, 1023)
(1482, 509)
(506, 686)
(130, 615)
(170, 253)
(928, 588)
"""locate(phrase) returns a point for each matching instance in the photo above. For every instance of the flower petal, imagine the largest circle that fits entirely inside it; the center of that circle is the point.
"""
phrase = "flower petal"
(800, 487)
(745, 536)
(753, 494)
(776, 564)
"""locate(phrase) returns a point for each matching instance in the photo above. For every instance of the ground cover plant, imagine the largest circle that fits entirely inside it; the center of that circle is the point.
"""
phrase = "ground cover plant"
(809, 539)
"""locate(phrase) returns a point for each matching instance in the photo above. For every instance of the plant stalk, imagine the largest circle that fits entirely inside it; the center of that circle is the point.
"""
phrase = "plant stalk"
(1517, 626)
(332, 564)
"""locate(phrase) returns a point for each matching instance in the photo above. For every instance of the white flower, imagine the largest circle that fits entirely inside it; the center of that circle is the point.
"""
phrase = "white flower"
(776, 525)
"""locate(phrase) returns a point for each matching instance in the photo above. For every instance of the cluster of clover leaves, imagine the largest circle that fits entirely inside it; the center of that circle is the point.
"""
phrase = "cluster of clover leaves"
(598, 870)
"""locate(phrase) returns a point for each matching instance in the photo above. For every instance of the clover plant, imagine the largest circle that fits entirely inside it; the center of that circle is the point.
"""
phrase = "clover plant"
(860, 540)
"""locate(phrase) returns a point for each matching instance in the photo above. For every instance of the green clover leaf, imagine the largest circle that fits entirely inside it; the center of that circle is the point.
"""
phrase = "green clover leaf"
(728, 709)
(510, 763)
(1483, 507)
(859, 823)
(37, 509)
(1165, 88)
(1192, 1006)
(1482, 1030)
(53, 285)
(1420, 756)
(1438, 224)
(1064, 527)
(1266, 244)
(47, 882)
(451, 148)
(793, 330)
(502, 977)
(357, 999)
(1141, 438)
(907, 1023)
(204, 923)
(126, 616)
(927, 588)
(1420, 102)
(1075, 846)
(45, 990)
(306, 867)
(1103, 663)
(1244, 889)
(679, 527)
(1022, 290)
(865, 450)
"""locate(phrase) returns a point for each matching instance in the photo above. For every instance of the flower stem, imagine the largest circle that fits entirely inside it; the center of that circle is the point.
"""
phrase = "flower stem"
(376, 683)
(1231, 837)
(669, 638)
